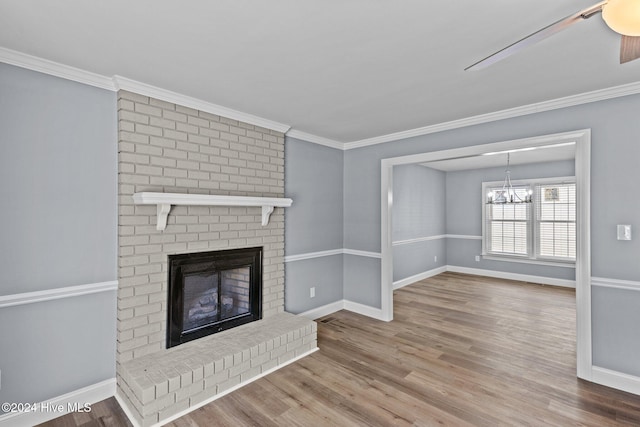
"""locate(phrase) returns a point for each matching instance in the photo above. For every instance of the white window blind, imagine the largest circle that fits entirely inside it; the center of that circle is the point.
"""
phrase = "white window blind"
(508, 226)
(556, 220)
(544, 230)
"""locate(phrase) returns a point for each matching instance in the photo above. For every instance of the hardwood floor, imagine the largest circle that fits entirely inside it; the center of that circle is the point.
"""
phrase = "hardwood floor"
(462, 351)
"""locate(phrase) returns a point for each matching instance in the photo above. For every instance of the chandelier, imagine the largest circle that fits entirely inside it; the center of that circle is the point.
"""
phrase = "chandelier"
(508, 194)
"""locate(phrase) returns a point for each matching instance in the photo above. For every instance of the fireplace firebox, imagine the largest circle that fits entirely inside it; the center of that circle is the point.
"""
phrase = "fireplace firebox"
(210, 292)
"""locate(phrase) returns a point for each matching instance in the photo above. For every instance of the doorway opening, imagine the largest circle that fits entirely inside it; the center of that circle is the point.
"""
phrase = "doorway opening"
(582, 140)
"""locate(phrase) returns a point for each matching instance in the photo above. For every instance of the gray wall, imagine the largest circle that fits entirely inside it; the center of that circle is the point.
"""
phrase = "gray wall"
(614, 176)
(418, 210)
(313, 179)
(464, 216)
(58, 174)
(615, 325)
(418, 202)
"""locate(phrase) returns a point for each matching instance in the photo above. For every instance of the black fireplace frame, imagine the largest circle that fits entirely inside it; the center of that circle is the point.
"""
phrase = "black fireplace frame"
(213, 261)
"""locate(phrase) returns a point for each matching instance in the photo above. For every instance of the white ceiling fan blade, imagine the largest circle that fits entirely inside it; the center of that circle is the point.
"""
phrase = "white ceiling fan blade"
(538, 36)
(629, 49)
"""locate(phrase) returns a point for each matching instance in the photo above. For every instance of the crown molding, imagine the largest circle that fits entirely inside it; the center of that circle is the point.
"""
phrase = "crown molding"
(304, 136)
(554, 104)
(116, 83)
(123, 83)
(56, 69)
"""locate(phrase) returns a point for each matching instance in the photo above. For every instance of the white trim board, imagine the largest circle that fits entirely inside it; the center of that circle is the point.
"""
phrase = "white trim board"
(34, 63)
(90, 394)
(418, 240)
(311, 255)
(463, 236)
(362, 253)
(315, 139)
(127, 410)
(354, 307)
(582, 139)
(116, 82)
(552, 104)
(57, 293)
(417, 277)
(513, 276)
(327, 309)
(123, 83)
(615, 379)
(615, 283)
(331, 252)
(364, 310)
(437, 237)
(523, 110)
(324, 310)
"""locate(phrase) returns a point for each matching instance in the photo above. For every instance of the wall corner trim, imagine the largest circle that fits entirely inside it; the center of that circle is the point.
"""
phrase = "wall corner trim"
(90, 394)
(315, 139)
(56, 293)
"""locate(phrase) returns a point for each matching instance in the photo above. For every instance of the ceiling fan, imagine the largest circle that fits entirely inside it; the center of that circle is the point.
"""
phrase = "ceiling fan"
(622, 16)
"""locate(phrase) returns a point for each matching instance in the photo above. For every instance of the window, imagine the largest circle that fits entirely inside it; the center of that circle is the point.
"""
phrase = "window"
(556, 221)
(544, 230)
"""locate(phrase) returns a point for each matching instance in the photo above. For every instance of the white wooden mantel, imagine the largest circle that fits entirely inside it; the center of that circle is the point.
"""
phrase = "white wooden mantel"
(164, 201)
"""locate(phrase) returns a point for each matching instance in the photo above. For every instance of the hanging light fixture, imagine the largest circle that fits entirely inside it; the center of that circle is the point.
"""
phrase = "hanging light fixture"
(508, 194)
(623, 16)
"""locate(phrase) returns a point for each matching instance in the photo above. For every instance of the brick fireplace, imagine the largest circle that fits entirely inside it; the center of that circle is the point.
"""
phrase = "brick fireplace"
(170, 148)
(213, 291)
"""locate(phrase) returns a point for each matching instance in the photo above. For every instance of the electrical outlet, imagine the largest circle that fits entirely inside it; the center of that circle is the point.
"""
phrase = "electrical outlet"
(477, 258)
(435, 258)
(312, 292)
(624, 232)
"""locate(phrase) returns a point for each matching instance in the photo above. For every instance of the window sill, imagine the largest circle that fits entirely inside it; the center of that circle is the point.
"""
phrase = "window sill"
(568, 264)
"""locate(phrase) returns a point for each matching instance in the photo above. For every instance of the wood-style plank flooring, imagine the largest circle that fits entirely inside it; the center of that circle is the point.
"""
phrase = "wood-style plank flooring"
(461, 351)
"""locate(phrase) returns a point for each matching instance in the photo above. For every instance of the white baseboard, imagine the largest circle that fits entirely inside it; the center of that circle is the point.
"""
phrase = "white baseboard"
(365, 310)
(316, 313)
(61, 405)
(127, 410)
(376, 313)
(417, 277)
(513, 276)
(615, 379)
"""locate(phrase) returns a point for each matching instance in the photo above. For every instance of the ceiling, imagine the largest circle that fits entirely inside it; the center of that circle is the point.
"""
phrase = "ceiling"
(540, 154)
(343, 70)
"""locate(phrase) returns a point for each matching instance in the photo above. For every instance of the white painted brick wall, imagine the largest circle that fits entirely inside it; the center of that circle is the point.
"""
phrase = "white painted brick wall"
(170, 148)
